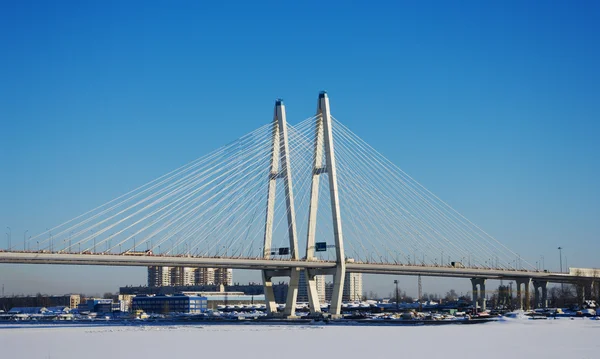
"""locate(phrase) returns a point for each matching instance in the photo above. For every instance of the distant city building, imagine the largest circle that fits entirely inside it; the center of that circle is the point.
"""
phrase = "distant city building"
(280, 292)
(303, 288)
(68, 300)
(126, 299)
(252, 291)
(74, 300)
(171, 304)
(96, 305)
(223, 276)
(328, 291)
(175, 275)
(204, 276)
(189, 276)
(101, 305)
(159, 276)
(352, 287)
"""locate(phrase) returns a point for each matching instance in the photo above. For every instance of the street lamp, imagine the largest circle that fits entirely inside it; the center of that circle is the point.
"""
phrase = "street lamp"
(560, 254)
(562, 286)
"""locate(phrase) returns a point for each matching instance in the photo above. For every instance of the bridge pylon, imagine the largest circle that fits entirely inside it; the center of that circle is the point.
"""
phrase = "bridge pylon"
(280, 168)
(324, 161)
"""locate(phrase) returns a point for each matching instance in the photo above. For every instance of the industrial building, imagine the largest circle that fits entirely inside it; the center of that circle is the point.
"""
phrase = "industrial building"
(251, 289)
(170, 304)
(68, 300)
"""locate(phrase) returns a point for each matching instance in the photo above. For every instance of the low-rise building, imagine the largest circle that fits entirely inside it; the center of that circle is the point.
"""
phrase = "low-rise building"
(170, 304)
(40, 300)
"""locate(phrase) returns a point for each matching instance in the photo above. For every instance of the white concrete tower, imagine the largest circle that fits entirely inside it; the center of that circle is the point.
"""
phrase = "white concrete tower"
(324, 141)
(280, 168)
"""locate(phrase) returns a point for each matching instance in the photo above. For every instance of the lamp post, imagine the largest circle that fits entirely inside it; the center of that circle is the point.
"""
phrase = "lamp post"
(560, 254)
(562, 286)
(396, 283)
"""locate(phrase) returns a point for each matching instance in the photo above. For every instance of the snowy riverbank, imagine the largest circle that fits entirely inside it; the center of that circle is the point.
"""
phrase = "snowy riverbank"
(515, 338)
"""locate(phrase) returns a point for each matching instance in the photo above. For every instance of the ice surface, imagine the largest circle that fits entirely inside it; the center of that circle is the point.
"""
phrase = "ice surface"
(509, 338)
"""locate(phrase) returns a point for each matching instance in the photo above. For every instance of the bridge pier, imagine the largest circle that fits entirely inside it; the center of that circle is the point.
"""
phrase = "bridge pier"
(479, 294)
(324, 162)
(313, 295)
(269, 294)
(540, 288)
(588, 290)
(280, 168)
(584, 291)
(523, 303)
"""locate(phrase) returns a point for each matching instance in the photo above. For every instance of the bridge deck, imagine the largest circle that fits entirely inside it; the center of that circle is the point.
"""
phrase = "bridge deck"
(276, 264)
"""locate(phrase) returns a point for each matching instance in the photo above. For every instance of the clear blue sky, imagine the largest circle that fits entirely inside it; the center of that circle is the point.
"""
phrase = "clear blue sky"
(492, 105)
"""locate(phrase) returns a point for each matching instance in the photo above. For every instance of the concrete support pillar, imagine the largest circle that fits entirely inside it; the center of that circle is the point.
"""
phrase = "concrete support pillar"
(523, 301)
(313, 295)
(545, 294)
(269, 294)
(290, 304)
(478, 294)
(527, 295)
(280, 168)
(482, 295)
(475, 293)
(536, 295)
(587, 292)
(540, 288)
(519, 296)
(324, 147)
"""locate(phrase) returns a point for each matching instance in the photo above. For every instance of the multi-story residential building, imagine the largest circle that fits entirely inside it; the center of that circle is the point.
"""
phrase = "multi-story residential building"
(352, 287)
(303, 288)
(223, 276)
(159, 276)
(204, 276)
(188, 276)
(328, 291)
(74, 300)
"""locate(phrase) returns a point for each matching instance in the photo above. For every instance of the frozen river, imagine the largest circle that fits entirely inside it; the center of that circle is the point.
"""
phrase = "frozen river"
(510, 338)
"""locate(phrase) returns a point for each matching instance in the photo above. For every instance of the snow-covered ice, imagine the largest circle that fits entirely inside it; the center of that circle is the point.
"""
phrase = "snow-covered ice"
(509, 338)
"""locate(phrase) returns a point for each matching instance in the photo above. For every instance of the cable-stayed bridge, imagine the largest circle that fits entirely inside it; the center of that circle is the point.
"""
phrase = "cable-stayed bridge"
(282, 199)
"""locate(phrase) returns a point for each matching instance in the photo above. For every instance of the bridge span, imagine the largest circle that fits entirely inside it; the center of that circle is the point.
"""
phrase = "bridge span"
(281, 265)
(349, 203)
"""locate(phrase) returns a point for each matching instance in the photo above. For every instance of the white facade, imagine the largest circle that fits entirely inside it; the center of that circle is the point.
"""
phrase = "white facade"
(186, 276)
(223, 276)
(159, 276)
(189, 276)
(204, 276)
(303, 289)
(352, 287)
